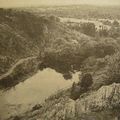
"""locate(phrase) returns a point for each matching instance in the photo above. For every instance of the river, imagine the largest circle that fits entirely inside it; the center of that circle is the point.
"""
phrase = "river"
(97, 23)
(33, 91)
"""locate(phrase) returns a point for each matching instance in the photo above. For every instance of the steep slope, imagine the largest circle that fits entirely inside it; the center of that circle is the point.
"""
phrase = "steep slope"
(68, 54)
(14, 42)
(23, 34)
(28, 41)
(103, 104)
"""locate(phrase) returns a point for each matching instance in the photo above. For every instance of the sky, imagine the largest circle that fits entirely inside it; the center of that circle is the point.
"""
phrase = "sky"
(22, 3)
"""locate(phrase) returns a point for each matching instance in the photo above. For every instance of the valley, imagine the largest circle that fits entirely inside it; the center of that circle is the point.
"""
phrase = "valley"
(60, 63)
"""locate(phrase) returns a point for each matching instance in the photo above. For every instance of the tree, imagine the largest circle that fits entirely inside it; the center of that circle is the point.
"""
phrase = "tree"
(86, 81)
(115, 23)
(107, 22)
(114, 32)
(88, 29)
(113, 72)
(103, 32)
(52, 18)
(82, 87)
(75, 91)
(67, 76)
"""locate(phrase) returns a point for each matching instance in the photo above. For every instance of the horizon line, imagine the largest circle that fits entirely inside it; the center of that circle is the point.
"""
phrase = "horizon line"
(60, 5)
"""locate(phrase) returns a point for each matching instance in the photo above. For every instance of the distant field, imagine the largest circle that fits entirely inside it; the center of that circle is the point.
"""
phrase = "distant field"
(80, 11)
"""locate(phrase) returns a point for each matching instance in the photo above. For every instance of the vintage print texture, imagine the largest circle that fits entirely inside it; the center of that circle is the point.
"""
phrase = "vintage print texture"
(59, 59)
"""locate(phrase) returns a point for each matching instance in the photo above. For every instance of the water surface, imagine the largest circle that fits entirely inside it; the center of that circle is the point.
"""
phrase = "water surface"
(35, 90)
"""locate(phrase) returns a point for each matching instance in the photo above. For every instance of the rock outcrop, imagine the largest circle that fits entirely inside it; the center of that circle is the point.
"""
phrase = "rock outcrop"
(107, 98)
(102, 104)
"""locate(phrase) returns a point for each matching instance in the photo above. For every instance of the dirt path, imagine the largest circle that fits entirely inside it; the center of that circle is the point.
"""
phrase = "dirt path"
(10, 71)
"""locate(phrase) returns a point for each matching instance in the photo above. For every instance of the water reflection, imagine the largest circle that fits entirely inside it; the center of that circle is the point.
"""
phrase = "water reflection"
(35, 89)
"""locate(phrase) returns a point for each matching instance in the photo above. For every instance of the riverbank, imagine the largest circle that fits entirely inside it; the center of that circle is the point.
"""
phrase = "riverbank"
(23, 69)
(39, 88)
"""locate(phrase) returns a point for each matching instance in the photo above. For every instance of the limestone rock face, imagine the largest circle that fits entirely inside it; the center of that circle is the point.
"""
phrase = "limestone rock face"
(70, 109)
(107, 97)
(102, 104)
(60, 111)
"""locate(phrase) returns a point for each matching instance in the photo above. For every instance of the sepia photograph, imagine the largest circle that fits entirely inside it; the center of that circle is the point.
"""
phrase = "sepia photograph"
(59, 59)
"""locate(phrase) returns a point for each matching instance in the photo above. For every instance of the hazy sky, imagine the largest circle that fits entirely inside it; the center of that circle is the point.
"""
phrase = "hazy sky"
(13, 3)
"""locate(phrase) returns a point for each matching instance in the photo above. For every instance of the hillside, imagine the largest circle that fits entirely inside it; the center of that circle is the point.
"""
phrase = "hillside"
(79, 11)
(25, 34)
(31, 42)
(102, 104)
